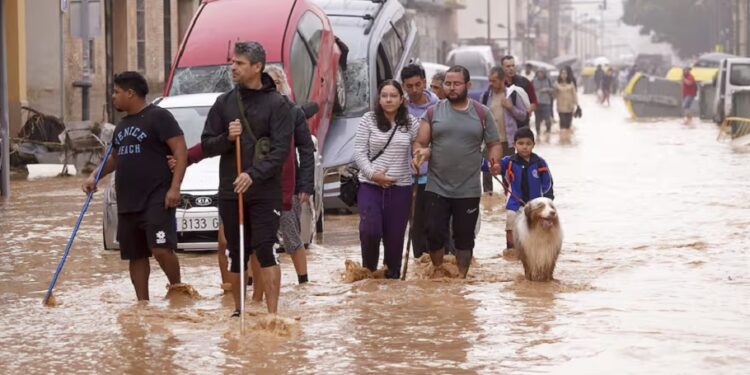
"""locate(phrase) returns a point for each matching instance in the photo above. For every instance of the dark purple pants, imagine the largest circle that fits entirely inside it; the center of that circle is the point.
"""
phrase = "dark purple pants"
(383, 214)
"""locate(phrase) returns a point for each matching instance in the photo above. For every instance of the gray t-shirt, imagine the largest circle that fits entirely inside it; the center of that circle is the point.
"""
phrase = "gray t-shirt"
(456, 160)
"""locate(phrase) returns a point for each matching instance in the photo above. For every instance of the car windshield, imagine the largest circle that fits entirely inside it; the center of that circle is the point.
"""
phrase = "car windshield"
(203, 79)
(707, 64)
(740, 75)
(191, 120)
(472, 61)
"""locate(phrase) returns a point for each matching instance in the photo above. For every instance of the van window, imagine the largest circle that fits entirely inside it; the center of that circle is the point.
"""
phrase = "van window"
(383, 66)
(393, 47)
(311, 28)
(302, 68)
(403, 27)
(740, 75)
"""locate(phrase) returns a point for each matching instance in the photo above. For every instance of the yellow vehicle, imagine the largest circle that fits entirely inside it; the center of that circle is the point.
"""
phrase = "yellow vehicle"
(700, 74)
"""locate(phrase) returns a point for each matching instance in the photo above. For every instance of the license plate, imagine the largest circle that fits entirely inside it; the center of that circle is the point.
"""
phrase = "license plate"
(198, 223)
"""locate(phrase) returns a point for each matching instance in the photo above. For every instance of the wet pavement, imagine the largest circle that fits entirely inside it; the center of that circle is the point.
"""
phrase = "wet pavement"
(652, 278)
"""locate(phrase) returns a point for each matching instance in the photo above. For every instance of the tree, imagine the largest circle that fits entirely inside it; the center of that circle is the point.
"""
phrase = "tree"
(692, 27)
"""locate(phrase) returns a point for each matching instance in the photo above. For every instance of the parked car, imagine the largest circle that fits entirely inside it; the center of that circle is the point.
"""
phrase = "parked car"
(431, 68)
(296, 35)
(479, 85)
(381, 40)
(732, 86)
(197, 216)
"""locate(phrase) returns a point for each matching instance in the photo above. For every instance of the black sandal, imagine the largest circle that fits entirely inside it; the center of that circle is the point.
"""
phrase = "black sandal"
(236, 314)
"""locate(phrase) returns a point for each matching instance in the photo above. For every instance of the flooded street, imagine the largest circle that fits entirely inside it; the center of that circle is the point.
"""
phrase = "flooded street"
(652, 278)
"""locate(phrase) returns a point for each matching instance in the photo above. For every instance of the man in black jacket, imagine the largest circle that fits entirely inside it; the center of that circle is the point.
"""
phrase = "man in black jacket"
(265, 123)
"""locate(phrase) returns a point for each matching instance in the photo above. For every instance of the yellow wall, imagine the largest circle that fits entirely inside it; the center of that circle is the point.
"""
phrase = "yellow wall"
(15, 33)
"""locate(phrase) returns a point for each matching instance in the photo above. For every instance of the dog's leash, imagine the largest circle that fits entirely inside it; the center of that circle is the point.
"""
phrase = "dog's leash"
(506, 188)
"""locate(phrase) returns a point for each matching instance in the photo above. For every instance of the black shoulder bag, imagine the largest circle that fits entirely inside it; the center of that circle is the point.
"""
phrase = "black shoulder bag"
(350, 184)
(262, 146)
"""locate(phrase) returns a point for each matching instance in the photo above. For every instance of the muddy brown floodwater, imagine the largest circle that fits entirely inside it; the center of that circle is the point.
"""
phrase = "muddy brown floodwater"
(652, 278)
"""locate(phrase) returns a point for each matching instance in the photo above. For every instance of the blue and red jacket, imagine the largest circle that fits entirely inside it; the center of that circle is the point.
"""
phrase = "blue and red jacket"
(526, 180)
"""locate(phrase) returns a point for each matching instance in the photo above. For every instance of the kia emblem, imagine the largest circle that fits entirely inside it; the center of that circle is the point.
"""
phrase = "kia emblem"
(203, 201)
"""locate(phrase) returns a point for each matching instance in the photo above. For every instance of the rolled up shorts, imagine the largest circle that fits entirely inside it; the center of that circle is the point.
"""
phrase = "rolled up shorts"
(687, 102)
(290, 227)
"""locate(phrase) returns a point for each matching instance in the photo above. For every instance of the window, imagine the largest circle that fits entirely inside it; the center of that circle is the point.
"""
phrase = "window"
(92, 65)
(393, 47)
(383, 66)
(140, 25)
(740, 75)
(302, 68)
(191, 120)
(311, 28)
(304, 54)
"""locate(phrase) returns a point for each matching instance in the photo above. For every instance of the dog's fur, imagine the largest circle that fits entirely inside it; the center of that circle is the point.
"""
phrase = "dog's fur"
(538, 238)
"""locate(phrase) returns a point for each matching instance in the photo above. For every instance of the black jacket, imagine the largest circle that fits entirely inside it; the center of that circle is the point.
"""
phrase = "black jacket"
(270, 115)
(306, 149)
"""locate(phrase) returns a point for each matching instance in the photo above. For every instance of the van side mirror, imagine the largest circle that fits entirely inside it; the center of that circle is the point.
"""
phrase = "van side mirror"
(310, 109)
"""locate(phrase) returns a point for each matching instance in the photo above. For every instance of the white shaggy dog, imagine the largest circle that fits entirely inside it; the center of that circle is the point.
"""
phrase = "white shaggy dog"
(538, 238)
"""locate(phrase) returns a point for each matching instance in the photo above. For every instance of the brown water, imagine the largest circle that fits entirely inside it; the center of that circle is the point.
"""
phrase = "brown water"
(653, 278)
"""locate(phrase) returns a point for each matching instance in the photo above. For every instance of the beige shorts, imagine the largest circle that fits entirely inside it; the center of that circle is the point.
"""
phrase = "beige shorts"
(510, 219)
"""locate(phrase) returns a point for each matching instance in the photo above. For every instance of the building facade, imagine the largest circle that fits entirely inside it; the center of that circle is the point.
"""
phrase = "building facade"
(436, 26)
(46, 56)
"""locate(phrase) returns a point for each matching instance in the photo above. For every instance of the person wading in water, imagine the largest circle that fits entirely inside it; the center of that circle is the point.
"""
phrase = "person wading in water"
(147, 191)
(450, 136)
(262, 118)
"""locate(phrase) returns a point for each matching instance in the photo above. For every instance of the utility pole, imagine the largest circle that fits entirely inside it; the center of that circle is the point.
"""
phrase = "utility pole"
(742, 30)
(554, 22)
(63, 8)
(4, 121)
(489, 24)
(508, 27)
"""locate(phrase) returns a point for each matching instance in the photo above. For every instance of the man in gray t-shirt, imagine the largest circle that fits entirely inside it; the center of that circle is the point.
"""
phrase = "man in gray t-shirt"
(450, 137)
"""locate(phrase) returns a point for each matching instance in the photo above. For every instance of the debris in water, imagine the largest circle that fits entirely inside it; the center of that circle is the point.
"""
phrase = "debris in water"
(510, 254)
(276, 325)
(354, 272)
(52, 301)
(425, 269)
(182, 290)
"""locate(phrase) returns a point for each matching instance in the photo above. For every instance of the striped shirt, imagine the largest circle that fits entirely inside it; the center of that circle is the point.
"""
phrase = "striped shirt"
(395, 160)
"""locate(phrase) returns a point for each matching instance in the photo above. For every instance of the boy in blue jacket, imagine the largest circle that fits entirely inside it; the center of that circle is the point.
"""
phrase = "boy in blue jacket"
(525, 176)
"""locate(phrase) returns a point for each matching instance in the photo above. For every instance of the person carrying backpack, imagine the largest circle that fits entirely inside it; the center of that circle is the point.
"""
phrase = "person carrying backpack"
(451, 135)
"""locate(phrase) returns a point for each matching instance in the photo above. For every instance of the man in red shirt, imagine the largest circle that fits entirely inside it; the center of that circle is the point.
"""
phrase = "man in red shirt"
(689, 91)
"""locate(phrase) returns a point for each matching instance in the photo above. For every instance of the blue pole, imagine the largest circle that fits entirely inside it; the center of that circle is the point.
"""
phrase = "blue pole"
(75, 229)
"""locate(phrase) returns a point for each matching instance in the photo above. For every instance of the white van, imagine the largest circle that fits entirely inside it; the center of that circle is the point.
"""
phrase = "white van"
(733, 77)
(477, 59)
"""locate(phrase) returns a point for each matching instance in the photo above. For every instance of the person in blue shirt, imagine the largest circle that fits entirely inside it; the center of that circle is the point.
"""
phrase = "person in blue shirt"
(525, 176)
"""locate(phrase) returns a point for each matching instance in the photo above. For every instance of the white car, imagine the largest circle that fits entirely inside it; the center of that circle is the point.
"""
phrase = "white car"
(431, 68)
(197, 215)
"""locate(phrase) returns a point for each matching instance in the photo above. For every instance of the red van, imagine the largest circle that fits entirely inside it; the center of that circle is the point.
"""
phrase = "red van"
(296, 34)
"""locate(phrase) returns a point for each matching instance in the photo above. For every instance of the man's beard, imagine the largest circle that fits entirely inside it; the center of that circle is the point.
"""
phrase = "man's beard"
(461, 97)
